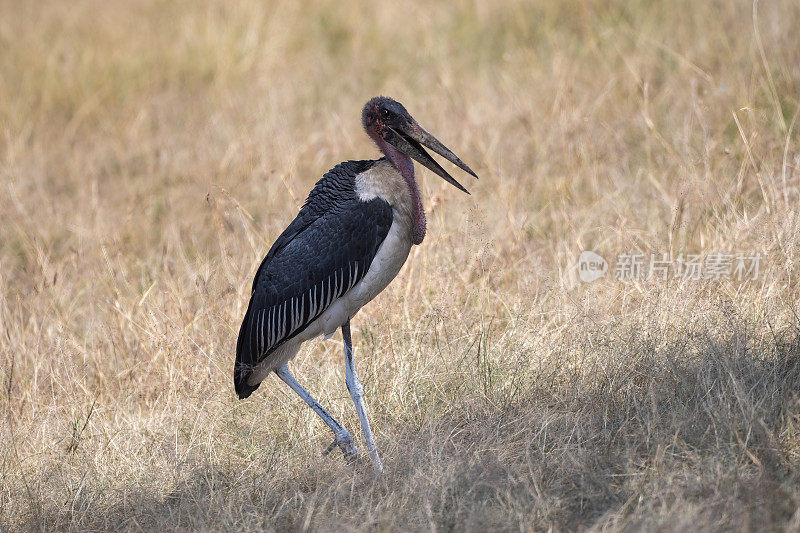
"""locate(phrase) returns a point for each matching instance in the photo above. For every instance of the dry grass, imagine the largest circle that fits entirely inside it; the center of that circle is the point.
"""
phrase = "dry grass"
(151, 151)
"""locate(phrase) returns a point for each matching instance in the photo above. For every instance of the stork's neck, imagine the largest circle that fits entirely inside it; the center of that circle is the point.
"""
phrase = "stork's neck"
(405, 165)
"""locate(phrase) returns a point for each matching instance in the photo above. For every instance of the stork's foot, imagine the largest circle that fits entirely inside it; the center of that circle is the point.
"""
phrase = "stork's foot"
(345, 443)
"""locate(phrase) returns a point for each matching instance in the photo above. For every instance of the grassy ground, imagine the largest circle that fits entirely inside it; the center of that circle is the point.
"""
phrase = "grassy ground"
(150, 152)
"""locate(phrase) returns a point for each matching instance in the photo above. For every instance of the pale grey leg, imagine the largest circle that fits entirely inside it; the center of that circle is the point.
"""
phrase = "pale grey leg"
(342, 436)
(357, 393)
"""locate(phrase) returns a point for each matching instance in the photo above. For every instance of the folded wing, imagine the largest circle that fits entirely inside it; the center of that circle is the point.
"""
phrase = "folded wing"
(319, 258)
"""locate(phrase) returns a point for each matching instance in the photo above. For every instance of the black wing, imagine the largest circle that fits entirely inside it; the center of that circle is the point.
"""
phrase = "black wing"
(326, 250)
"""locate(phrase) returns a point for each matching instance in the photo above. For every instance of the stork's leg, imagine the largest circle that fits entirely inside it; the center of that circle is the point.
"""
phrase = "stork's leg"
(342, 437)
(357, 393)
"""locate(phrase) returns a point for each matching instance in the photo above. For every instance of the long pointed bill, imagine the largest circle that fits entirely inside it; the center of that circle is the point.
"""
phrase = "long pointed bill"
(419, 134)
(409, 141)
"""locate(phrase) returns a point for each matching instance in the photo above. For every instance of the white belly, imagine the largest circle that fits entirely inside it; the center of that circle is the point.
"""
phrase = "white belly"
(390, 258)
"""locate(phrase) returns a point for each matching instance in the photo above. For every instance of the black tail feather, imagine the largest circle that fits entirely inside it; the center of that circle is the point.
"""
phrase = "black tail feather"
(244, 362)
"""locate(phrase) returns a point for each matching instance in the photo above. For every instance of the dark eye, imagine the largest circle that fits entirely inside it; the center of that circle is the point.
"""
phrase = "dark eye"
(385, 113)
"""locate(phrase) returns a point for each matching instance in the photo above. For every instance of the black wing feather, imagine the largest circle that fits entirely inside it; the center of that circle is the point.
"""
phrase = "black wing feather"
(326, 250)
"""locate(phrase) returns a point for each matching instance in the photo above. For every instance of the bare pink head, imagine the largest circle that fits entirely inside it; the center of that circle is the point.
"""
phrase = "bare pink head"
(401, 139)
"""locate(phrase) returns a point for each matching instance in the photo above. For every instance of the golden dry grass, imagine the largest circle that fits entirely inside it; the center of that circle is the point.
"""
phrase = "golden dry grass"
(151, 151)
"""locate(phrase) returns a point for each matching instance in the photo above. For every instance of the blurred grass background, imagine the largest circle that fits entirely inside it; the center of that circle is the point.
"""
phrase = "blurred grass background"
(151, 151)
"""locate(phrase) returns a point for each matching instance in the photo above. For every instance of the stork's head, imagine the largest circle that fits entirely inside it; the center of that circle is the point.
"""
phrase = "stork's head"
(387, 120)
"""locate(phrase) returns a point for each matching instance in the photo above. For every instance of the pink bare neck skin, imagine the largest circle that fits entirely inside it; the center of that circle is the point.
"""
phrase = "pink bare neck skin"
(405, 165)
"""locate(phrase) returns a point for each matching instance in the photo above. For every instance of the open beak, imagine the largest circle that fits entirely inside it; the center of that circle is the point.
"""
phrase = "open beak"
(410, 140)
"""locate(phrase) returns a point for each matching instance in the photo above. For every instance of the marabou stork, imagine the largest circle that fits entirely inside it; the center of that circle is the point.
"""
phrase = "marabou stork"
(346, 244)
